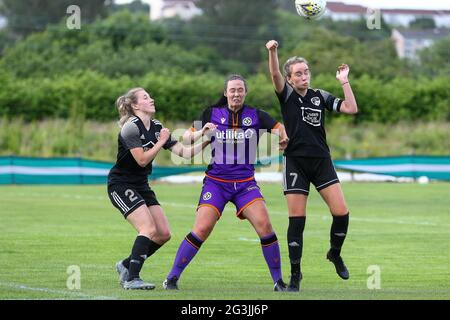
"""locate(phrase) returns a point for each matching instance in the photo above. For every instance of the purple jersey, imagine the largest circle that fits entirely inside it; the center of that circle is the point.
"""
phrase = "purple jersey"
(234, 145)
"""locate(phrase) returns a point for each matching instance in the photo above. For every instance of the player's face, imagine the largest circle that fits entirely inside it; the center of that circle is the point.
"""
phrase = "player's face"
(145, 103)
(300, 76)
(235, 93)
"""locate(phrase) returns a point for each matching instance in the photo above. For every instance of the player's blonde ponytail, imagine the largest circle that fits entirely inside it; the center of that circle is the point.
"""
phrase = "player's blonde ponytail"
(125, 104)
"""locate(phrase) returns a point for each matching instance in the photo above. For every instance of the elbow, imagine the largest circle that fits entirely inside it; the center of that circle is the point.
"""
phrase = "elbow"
(142, 162)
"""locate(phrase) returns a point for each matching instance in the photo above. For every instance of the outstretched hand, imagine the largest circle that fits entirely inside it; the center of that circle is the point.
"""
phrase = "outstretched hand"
(342, 73)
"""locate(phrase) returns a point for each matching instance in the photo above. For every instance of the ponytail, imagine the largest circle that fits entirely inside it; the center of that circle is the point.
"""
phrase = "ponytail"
(125, 104)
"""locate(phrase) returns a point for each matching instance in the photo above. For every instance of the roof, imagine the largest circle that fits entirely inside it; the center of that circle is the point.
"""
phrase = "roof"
(424, 34)
(340, 7)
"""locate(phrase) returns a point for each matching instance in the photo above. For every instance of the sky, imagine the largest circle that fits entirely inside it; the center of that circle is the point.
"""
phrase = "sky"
(379, 4)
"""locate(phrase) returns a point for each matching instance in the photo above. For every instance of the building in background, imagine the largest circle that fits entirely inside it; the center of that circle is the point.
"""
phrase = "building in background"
(395, 17)
(184, 9)
(409, 42)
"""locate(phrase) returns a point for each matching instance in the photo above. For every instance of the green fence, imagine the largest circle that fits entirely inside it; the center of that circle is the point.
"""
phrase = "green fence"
(433, 167)
(22, 170)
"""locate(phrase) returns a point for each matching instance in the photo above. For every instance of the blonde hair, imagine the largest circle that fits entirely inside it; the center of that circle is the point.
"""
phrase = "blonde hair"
(125, 104)
(291, 61)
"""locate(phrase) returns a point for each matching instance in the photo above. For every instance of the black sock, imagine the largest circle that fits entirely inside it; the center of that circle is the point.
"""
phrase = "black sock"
(338, 233)
(295, 242)
(153, 247)
(138, 256)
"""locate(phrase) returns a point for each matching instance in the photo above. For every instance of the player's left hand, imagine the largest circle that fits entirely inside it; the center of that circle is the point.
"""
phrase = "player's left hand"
(342, 73)
(283, 143)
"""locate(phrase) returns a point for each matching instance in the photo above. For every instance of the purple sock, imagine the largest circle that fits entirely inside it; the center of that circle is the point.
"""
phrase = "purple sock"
(186, 252)
(271, 252)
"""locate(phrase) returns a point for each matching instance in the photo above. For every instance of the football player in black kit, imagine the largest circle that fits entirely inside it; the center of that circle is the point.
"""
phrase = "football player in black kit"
(140, 139)
(307, 157)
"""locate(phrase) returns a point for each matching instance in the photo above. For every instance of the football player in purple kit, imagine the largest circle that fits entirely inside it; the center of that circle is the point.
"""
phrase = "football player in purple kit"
(230, 177)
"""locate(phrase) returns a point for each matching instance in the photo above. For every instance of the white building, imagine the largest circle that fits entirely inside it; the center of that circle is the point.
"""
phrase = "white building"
(396, 17)
(409, 42)
(162, 9)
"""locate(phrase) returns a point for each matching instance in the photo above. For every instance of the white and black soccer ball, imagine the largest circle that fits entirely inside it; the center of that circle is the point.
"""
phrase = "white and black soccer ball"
(311, 9)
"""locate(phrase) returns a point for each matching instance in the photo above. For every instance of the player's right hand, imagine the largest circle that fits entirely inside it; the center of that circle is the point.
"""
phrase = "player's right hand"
(271, 45)
(164, 135)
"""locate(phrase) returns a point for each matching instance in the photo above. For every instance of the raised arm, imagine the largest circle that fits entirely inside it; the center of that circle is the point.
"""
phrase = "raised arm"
(274, 66)
(349, 105)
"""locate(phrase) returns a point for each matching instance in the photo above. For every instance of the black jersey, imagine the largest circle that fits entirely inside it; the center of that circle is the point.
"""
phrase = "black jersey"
(304, 119)
(135, 135)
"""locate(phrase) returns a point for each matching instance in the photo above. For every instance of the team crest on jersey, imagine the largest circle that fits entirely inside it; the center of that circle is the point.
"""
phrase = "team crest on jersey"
(207, 196)
(312, 116)
(315, 101)
(157, 135)
(222, 120)
(247, 121)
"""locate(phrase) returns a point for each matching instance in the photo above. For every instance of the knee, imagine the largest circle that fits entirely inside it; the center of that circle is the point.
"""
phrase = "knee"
(202, 231)
(265, 228)
(339, 211)
(165, 236)
(148, 231)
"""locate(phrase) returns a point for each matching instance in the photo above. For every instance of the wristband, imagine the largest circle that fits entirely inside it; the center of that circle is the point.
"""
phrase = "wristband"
(344, 83)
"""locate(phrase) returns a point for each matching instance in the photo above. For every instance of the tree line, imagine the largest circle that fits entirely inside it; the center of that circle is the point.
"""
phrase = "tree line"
(50, 72)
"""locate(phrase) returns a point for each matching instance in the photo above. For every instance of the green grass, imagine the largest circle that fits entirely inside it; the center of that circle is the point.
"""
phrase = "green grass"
(402, 228)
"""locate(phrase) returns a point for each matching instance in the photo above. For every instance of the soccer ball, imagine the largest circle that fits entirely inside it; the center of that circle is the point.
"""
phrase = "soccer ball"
(311, 9)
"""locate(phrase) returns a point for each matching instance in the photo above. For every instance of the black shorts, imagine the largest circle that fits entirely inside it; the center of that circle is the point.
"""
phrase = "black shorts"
(299, 172)
(128, 198)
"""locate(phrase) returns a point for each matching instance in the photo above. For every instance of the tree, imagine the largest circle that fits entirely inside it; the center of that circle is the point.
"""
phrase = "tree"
(434, 60)
(238, 29)
(27, 16)
(423, 23)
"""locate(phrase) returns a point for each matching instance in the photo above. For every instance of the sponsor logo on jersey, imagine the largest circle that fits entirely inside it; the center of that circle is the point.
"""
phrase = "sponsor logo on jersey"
(312, 116)
(315, 101)
(207, 196)
(247, 121)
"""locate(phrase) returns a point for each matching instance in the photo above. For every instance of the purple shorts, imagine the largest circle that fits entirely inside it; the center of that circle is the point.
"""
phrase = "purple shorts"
(216, 194)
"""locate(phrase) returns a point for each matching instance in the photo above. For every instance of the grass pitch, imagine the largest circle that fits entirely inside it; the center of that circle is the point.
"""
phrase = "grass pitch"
(400, 230)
